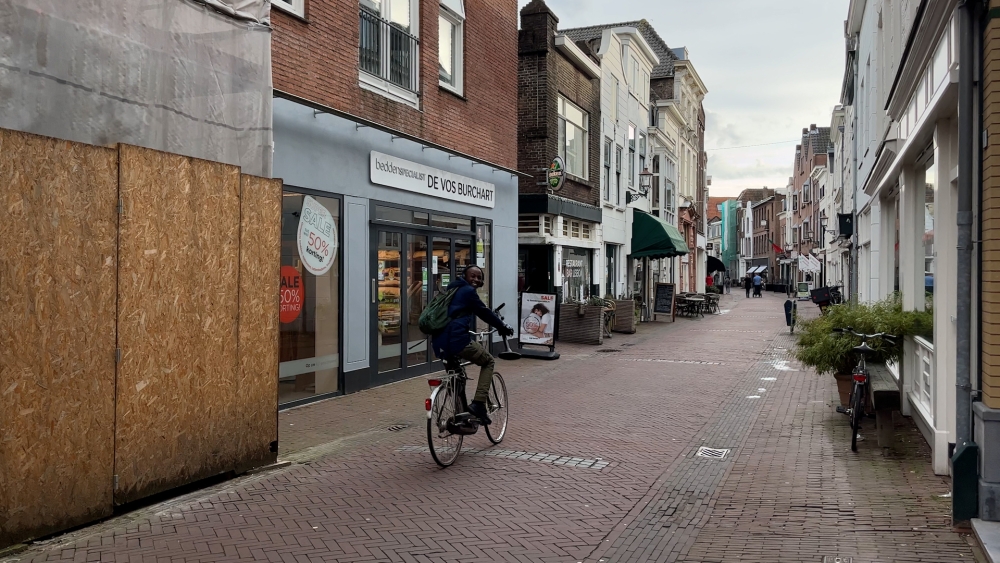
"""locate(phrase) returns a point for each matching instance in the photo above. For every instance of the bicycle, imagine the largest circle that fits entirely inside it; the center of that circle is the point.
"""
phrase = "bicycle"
(858, 401)
(448, 418)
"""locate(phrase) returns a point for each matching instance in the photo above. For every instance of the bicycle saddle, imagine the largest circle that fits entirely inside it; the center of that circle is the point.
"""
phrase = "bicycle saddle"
(864, 348)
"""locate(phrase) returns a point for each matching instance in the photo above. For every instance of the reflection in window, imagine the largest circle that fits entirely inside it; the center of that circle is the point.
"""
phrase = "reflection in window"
(576, 274)
(930, 181)
(309, 324)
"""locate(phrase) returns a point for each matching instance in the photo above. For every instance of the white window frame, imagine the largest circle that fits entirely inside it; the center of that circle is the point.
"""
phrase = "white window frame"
(378, 84)
(449, 12)
(294, 7)
(586, 136)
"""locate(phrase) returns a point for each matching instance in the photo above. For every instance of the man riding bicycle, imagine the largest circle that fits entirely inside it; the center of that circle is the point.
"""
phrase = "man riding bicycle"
(455, 341)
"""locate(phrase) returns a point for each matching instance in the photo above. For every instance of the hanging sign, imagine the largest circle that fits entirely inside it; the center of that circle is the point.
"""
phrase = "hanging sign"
(317, 237)
(556, 174)
(413, 177)
(292, 294)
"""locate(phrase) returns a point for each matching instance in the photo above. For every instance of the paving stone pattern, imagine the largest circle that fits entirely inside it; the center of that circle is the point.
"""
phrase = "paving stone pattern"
(599, 462)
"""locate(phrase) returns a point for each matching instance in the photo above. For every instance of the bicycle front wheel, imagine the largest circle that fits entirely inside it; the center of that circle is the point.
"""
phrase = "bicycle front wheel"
(857, 411)
(444, 445)
(496, 405)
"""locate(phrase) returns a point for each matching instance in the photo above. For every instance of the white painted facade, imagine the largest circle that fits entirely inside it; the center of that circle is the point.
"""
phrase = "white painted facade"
(626, 61)
(908, 192)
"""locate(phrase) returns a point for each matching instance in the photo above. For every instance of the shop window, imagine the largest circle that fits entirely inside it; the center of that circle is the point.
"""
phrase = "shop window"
(451, 29)
(396, 215)
(576, 274)
(459, 223)
(930, 187)
(573, 137)
(484, 259)
(309, 323)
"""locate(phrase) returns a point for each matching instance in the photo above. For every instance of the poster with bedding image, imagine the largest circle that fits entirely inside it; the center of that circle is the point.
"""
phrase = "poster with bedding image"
(537, 319)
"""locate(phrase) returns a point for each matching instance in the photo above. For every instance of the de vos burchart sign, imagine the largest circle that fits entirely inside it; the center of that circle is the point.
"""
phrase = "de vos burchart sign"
(402, 174)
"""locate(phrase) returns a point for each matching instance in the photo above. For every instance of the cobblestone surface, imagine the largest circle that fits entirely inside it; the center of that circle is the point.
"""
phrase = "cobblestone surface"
(599, 464)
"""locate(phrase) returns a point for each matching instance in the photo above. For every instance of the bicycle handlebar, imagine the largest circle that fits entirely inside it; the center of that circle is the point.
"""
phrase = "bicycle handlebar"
(891, 338)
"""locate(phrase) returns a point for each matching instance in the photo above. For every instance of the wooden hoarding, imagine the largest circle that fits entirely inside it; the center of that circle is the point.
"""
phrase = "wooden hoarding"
(179, 265)
(260, 259)
(57, 333)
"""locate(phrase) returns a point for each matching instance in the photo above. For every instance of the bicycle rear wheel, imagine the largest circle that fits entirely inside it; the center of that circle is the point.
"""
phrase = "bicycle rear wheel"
(444, 445)
(496, 405)
(857, 411)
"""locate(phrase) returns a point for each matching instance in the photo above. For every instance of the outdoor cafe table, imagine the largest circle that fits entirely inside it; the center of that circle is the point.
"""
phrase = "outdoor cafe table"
(694, 305)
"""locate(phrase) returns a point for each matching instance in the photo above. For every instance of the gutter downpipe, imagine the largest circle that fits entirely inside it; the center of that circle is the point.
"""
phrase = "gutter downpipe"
(853, 289)
(965, 460)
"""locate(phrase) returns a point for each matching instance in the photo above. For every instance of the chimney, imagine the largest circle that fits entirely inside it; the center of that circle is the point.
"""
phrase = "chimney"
(538, 28)
(812, 127)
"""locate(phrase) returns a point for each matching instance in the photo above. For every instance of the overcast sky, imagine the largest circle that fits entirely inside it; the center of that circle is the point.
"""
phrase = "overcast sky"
(771, 68)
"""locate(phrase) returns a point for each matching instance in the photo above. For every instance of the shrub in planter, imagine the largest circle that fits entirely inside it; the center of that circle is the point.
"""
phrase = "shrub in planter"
(827, 352)
(713, 289)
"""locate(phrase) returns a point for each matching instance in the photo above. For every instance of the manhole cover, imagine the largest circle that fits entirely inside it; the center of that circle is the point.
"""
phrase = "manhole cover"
(712, 453)
(836, 559)
(398, 427)
(606, 350)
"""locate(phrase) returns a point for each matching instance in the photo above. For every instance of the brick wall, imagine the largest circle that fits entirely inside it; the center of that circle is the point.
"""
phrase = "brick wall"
(544, 73)
(317, 59)
(991, 216)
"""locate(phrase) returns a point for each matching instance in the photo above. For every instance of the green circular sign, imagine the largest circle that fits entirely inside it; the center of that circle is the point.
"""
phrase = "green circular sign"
(556, 173)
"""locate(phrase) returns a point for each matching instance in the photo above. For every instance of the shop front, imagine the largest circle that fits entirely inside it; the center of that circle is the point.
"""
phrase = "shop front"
(393, 221)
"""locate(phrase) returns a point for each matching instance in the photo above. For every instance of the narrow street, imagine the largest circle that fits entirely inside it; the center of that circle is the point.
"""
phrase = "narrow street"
(599, 465)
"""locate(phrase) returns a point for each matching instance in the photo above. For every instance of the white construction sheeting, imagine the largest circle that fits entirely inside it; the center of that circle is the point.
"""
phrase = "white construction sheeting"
(172, 75)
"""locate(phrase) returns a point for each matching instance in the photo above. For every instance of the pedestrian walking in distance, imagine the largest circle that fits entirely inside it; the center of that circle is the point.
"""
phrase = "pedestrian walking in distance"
(747, 284)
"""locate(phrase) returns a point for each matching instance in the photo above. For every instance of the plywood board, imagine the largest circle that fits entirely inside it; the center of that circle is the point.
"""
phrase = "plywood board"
(177, 315)
(57, 333)
(260, 262)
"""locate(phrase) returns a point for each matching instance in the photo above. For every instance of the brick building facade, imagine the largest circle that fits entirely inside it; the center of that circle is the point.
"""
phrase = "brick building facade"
(316, 57)
(807, 232)
(766, 233)
(395, 126)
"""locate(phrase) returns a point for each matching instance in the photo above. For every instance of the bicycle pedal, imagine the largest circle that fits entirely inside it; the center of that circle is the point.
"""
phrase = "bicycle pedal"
(843, 410)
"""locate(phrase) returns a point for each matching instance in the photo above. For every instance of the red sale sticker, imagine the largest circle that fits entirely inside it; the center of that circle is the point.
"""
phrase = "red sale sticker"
(292, 294)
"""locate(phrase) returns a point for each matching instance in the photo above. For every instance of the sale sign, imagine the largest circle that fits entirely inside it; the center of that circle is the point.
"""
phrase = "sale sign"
(292, 294)
(317, 237)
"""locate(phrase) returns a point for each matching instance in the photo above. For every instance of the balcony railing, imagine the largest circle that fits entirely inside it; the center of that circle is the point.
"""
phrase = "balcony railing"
(388, 51)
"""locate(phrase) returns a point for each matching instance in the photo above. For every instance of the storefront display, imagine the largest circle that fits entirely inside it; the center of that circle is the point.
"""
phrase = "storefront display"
(576, 274)
(310, 297)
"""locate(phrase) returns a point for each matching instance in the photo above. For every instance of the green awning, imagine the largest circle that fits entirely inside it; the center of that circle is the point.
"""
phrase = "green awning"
(653, 237)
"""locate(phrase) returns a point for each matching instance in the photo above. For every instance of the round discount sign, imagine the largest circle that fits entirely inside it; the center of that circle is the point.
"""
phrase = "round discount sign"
(317, 238)
(292, 294)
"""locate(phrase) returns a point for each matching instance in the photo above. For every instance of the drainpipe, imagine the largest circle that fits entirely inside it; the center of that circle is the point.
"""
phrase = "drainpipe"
(852, 293)
(965, 460)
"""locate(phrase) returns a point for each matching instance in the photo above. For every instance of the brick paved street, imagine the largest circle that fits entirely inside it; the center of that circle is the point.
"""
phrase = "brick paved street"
(618, 426)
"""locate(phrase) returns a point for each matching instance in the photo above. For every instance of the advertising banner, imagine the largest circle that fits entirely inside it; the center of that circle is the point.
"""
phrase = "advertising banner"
(538, 319)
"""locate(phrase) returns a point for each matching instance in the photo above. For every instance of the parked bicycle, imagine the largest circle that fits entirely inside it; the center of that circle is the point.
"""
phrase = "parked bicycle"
(448, 418)
(858, 402)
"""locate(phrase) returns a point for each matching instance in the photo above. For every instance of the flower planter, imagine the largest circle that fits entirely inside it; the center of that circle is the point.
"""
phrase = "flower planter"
(844, 383)
(581, 324)
(624, 316)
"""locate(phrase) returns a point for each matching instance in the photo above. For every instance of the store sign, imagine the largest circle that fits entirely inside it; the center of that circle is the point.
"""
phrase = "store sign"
(292, 294)
(317, 237)
(405, 175)
(537, 318)
(556, 173)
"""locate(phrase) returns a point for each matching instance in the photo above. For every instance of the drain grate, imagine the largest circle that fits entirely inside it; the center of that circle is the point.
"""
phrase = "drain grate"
(836, 559)
(606, 350)
(398, 427)
(712, 453)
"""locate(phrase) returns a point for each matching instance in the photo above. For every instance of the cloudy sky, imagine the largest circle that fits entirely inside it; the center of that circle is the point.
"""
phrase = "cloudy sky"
(771, 68)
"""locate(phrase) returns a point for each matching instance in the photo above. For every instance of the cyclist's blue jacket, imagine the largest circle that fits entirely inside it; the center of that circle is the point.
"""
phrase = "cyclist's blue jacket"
(464, 308)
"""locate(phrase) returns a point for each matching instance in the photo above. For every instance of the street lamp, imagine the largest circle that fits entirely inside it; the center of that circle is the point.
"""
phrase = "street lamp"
(645, 181)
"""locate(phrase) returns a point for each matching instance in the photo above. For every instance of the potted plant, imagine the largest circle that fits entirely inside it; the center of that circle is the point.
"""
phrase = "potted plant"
(828, 352)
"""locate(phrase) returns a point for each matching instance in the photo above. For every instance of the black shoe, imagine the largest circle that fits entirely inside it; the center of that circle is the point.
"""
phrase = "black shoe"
(479, 409)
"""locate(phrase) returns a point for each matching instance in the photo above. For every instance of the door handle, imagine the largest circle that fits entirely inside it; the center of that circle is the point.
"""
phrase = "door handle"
(373, 289)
